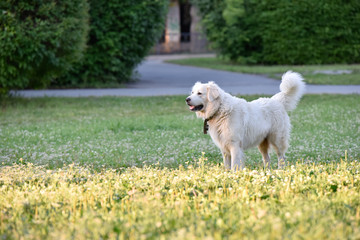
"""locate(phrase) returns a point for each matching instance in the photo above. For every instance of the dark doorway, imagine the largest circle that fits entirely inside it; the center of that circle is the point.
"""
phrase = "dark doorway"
(185, 20)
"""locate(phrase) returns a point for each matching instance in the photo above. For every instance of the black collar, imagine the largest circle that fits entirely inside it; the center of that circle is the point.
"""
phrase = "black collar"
(206, 125)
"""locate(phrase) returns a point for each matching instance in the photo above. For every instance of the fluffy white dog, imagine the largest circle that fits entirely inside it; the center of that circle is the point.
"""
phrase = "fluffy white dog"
(236, 125)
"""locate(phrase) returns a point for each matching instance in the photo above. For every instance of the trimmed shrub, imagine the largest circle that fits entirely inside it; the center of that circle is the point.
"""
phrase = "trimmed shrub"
(121, 35)
(282, 31)
(39, 40)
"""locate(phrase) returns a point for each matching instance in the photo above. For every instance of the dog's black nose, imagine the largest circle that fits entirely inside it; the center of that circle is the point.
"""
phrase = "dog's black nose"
(188, 99)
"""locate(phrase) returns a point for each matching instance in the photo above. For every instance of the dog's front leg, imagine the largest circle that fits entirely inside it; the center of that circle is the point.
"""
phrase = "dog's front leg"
(237, 158)
(227, 160)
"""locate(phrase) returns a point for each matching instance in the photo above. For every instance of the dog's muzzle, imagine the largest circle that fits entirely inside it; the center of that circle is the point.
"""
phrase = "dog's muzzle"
(192, 107)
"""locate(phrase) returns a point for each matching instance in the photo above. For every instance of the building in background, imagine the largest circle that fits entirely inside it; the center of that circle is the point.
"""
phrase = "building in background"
(183, 32)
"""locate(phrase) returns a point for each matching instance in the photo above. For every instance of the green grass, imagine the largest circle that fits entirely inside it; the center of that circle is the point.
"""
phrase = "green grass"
(276, 71)
(122, 132)
(133, 168)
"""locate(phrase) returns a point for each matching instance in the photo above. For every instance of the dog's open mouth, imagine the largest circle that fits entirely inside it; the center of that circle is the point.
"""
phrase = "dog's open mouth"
(196, 108)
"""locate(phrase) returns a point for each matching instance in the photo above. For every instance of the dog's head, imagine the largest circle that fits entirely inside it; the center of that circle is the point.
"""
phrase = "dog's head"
(203, 97)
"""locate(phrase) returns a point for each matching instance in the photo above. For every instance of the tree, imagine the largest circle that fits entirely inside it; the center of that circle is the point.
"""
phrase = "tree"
(39, 40)
(121, 35)
(282, 31)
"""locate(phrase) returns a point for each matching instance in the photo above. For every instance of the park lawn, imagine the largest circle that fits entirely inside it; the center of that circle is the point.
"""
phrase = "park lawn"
(140, 168)
(275, 72)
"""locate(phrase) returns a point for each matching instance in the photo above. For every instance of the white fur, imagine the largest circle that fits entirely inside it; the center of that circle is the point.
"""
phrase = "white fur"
(236, 125)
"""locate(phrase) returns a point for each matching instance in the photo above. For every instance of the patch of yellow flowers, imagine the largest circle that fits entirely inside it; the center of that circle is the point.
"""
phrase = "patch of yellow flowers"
(199, 201)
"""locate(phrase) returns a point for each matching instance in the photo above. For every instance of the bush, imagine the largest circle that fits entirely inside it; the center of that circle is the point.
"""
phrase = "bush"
(282, 31)
(39, 40)
(121, 34)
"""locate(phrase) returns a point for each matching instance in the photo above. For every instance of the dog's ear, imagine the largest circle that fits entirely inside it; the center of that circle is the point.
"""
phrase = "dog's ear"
(212, 92)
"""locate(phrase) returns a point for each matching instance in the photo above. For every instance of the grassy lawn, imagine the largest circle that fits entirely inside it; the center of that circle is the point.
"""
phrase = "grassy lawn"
(310, 72)
(133, 168)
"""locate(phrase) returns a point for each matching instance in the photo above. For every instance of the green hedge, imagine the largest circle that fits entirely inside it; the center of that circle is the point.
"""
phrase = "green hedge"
(283, 31)
(39, 40)
(66, 43)
(121, 34)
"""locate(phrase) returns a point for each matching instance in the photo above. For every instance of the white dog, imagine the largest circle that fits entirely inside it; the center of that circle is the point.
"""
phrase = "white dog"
(236, 125)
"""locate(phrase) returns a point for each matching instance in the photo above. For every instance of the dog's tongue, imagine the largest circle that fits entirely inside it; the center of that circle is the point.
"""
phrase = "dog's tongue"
(191, 107)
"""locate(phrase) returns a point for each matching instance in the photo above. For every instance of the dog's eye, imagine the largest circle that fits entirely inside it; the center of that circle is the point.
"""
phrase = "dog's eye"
(199, 93)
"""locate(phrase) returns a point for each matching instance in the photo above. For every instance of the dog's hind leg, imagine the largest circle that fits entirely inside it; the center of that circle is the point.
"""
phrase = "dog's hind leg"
(264, 149)
(280, 144)
(227, 160)
(280, 151)
(237, 158)
(281, 160)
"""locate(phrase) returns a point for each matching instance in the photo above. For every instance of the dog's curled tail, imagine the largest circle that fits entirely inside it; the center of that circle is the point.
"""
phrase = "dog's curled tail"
(292, 88)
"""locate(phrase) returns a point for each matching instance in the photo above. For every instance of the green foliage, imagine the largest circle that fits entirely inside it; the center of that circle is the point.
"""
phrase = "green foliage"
(39, 40)
(282, 31)
(121, 34)
(42, 42)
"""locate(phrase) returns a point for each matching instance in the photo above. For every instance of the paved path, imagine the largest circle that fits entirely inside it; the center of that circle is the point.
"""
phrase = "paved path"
(158, 78)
